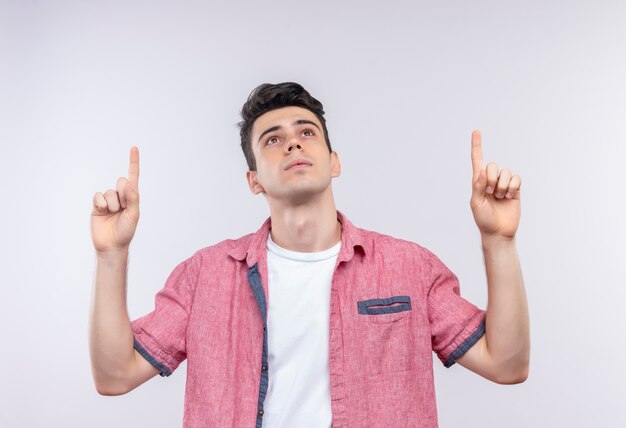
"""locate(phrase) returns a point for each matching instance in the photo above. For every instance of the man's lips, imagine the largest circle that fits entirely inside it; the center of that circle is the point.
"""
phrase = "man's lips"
(298, 163)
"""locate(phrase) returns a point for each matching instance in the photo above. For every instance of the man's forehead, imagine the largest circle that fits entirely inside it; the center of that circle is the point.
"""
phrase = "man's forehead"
(283, 116)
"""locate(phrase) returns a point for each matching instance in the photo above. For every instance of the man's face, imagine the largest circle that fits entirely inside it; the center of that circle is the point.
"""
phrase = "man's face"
(282, 136)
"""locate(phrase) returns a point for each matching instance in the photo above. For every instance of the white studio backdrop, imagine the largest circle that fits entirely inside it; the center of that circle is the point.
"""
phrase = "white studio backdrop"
(404, 83)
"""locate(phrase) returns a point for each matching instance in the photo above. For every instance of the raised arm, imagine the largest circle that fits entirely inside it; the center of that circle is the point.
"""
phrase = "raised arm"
(116, 367)
(502, 354)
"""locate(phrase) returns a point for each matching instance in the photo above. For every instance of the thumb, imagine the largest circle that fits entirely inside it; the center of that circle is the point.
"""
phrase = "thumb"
(132, 200)
(479, 185)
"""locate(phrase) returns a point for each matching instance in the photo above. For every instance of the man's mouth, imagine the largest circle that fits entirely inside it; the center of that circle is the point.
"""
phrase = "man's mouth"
(298, 164)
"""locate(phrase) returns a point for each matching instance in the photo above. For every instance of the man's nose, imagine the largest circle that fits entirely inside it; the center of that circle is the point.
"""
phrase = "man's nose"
(294, 143)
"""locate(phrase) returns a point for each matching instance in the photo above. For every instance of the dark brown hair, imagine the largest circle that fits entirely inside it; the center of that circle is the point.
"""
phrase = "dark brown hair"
(267, 97)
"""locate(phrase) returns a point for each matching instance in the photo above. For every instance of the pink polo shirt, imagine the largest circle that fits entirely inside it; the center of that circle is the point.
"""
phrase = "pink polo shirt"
(392, 304)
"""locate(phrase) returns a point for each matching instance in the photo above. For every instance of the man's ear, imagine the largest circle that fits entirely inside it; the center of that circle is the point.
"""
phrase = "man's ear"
(255, 186)
(335, 165)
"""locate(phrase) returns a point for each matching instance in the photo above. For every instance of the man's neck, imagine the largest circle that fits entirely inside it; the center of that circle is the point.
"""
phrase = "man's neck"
(306, 228)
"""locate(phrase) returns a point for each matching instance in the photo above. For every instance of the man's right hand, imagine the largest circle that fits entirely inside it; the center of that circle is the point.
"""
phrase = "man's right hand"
(116, 366)
(115, 213)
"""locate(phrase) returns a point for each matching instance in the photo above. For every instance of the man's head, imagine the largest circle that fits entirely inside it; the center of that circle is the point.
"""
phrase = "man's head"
(268, 97)
(285, 140)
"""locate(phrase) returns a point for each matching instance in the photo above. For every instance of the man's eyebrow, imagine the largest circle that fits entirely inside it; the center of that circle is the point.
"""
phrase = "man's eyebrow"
(297, 122)
(267, 131)
(306, 122)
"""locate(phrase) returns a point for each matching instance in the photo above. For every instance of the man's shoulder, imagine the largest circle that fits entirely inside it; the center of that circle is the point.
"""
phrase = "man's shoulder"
(377, 241)
(380, 246)
(225, 247)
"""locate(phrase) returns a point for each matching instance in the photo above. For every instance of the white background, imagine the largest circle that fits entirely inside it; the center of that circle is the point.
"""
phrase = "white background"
(403, 84)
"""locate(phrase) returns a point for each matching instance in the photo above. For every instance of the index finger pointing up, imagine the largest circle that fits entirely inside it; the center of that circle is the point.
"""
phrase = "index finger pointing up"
(477, 154)
(133, 168)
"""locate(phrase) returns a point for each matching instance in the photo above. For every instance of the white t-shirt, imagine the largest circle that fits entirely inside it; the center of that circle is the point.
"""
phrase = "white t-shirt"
(298, 394)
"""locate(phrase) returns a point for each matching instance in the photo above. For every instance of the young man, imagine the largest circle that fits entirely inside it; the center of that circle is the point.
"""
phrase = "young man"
(310, 321)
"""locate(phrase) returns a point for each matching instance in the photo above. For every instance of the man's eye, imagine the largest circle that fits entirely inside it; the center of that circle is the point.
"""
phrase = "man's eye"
(272, 140)
(308, 132)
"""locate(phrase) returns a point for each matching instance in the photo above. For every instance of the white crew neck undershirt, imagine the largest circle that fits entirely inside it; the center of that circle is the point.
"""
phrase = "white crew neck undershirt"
(298, 256)
(297, 326)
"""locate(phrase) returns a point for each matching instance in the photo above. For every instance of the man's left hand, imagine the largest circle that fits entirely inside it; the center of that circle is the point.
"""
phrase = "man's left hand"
(495, 198)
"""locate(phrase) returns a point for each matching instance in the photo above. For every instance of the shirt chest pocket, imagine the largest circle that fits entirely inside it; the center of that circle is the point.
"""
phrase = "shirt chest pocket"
(387, 310)
(384, 335)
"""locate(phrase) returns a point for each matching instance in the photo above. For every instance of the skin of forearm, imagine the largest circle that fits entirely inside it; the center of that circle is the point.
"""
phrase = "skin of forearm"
(110, 332)
(507, 324)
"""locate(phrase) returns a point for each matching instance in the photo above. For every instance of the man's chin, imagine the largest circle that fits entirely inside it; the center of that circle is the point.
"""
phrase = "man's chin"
(298, 195)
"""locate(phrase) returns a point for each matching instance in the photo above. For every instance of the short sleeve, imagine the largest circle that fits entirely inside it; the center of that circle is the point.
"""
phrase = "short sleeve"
(456, 324)
(160, 336)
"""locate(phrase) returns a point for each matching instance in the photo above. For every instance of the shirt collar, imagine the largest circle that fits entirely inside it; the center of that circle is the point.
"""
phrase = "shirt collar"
(250, 249)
